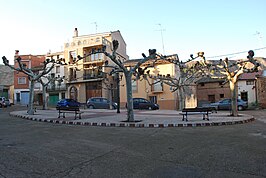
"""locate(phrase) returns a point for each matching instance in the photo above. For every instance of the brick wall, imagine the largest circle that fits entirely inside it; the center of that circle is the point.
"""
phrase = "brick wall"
(215, 89)
(261, 84)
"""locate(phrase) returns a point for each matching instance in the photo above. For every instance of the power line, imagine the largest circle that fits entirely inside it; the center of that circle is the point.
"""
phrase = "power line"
(223, 55)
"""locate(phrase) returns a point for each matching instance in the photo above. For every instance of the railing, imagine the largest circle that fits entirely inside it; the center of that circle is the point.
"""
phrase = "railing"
(57, 87)
(93, 76)
(93, 58)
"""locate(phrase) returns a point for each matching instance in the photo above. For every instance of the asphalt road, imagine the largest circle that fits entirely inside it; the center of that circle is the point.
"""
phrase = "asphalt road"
(39, 149)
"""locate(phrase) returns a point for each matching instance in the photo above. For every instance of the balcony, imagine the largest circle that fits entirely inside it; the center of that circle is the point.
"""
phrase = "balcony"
(57, 87)
(93, 76)
(157, 88)
(94, 58)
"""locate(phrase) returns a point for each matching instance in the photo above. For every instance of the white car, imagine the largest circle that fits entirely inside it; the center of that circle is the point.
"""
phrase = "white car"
(2, 102)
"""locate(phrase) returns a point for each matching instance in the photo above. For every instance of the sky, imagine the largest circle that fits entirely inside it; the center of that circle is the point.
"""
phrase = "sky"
(218, 28)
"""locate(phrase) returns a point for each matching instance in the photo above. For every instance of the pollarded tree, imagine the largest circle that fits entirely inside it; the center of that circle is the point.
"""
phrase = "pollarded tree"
(33, 75)
(128, 72)
(186, 74)
(45, 81)
(231, 71)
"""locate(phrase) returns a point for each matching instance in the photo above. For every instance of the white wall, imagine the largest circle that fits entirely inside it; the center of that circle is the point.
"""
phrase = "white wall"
(243, 87)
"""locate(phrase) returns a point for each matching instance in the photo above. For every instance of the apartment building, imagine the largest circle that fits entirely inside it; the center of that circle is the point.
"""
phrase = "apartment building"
(57, 87)
(87, 77)
(21, 81)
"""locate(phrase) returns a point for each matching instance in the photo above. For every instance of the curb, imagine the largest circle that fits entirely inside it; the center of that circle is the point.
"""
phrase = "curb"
(136, 125)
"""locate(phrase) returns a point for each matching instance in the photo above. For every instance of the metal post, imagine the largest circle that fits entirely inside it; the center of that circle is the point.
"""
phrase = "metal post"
(118, 92)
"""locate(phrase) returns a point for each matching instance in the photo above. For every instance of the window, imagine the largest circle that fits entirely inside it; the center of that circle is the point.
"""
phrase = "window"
(157, 86)
(134, 86)
(72, 74)
(211, 98)
(96, 57)
(22, 80)
(57, 69)
(73, 93)
(249, 82)
(153, 99)
(63, 95)
(72, 56)
(202, 84)
(221, 95)
(92, 57)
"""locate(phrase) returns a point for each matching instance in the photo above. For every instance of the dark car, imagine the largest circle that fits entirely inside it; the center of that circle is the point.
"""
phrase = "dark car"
(225, 104)
(141, 103)
(67, 103)
(100, 103)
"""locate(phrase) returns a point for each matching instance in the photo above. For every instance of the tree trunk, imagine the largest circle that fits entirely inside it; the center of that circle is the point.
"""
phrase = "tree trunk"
(44, 105)
(31, 98)
(110, 98)
(233, 91)
(181, 98)
(130, 114)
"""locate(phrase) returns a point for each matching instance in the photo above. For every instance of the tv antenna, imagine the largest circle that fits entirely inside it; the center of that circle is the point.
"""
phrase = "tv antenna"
(161, 30)
(259, 36)
(95, 26)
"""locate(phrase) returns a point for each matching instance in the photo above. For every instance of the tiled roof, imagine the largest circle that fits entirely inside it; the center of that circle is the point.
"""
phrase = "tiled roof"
(6, 76)
(209, 80)
(249, 76)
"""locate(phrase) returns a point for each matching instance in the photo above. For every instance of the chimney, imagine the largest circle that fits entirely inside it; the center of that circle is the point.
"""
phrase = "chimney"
(76, 32)
(16, 53)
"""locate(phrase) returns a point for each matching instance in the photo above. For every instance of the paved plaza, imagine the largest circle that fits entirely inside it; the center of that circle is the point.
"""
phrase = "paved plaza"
(143, 118)
(30, 148)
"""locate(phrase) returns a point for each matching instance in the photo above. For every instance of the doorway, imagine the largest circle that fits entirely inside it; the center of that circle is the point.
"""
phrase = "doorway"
(244, 96)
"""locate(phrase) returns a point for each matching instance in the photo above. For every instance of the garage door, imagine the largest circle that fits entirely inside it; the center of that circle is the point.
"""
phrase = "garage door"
(5, 93)
(53, 99)
(25, 95)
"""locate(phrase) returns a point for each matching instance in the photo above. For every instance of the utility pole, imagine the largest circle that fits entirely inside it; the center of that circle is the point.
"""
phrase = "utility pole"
(161, 30)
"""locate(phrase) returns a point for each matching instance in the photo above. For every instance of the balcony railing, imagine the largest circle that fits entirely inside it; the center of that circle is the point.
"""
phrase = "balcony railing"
(57, 87)
(93, 76)
(93, 58)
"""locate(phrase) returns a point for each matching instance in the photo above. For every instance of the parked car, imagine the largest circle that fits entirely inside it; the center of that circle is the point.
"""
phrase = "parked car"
(142, 103)
(2, 102)
(100, 103)
(67, 103)
(7, 102)
(225, 104)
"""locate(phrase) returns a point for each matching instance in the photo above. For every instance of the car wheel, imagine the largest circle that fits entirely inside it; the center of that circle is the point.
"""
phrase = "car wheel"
(91, 107)
(240, 108)
(149, 108)
(0, 105)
